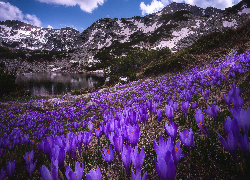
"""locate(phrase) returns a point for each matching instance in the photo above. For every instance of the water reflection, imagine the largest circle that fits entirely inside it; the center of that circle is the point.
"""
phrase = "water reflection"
(51, 83)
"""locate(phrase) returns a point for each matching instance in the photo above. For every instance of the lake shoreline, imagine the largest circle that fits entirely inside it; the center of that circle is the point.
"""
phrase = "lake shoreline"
(58, 83)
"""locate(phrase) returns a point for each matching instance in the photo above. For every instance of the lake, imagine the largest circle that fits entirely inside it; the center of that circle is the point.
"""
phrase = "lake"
(51, 83)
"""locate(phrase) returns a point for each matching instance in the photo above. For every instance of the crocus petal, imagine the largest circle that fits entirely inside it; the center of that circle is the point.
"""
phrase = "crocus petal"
(2, 174)
(223, 142)
(30, 168)
(45, 173)
(94, 175)
(171, 170)
(177, 153)
(79, 170)
(244, 144)
(54, 168)
(144, 177)
(126, 157)
(10, 169)
(72, 175)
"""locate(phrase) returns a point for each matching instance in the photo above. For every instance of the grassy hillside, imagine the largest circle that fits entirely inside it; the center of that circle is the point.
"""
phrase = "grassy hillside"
(208, 48)
(40, 130)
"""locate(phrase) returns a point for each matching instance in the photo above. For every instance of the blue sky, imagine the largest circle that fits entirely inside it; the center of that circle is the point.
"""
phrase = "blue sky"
(80, 14)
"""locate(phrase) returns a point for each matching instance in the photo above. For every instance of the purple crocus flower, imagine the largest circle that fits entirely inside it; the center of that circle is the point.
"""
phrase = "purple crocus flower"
(175, 106)
(184, 106)
(118, 143)
(177, 153)
(199, 118)
(228, 100)
(94, 175)
(84, 123)
(98, 132)
(230, 144)
(232, 132)
(231, 125)
(138, 158)
(106, 129)
(188, 96)
(244, 121)
(2, 151)
(10, 169)
(212, 110)
(138, 175)
(90, 126)
(238, 101)
(111, 136)
(108, 155)
(165, 167)
(71, 146)
(29, 157)
(244, 145)
(169, 111)
(149, 105)
(159, 115)
(154, 107)
(45, 173)
(193, 105)
(171, 129)
(134, 134)
(133, 115)
(205, 94)
(54, 168)
(61, 157)
(143, 118)
(29, 162)
(77, 175)
(30, 168)
(48, 144)
(170, 102)
(126, 157)
(25, 139)
(187, 138)
(163, 147)
(87, 138)
(143, 110)
(2, 174)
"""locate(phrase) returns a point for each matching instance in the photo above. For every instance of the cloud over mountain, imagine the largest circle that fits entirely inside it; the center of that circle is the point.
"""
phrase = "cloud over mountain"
(49, 26)
(85, 5)
(153, 7)
(10, 12)
(157, 5)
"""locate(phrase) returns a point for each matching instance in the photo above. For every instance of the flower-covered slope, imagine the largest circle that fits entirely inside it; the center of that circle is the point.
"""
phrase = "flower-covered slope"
(202, 131)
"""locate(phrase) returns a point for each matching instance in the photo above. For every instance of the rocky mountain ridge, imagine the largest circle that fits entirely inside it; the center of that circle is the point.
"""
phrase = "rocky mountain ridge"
(176, 26)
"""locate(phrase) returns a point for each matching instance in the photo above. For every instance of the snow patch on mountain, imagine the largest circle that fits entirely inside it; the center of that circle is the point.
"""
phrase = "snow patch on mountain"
(184, 32)
(229, 24)
(245, 10)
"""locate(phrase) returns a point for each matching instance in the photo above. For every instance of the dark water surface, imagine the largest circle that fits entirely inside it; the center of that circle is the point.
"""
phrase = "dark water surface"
(51, 83)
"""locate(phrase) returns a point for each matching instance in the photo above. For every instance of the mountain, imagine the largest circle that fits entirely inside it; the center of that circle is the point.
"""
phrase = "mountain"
(176, 26)
(20, 35)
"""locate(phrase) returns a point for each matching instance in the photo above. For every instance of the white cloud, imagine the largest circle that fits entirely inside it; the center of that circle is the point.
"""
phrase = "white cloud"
(153, 7)
(10, 12)
(220, 4)
(85, 5)
(165, 2)
(49, 26)
(32, 19)
(158, 5)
